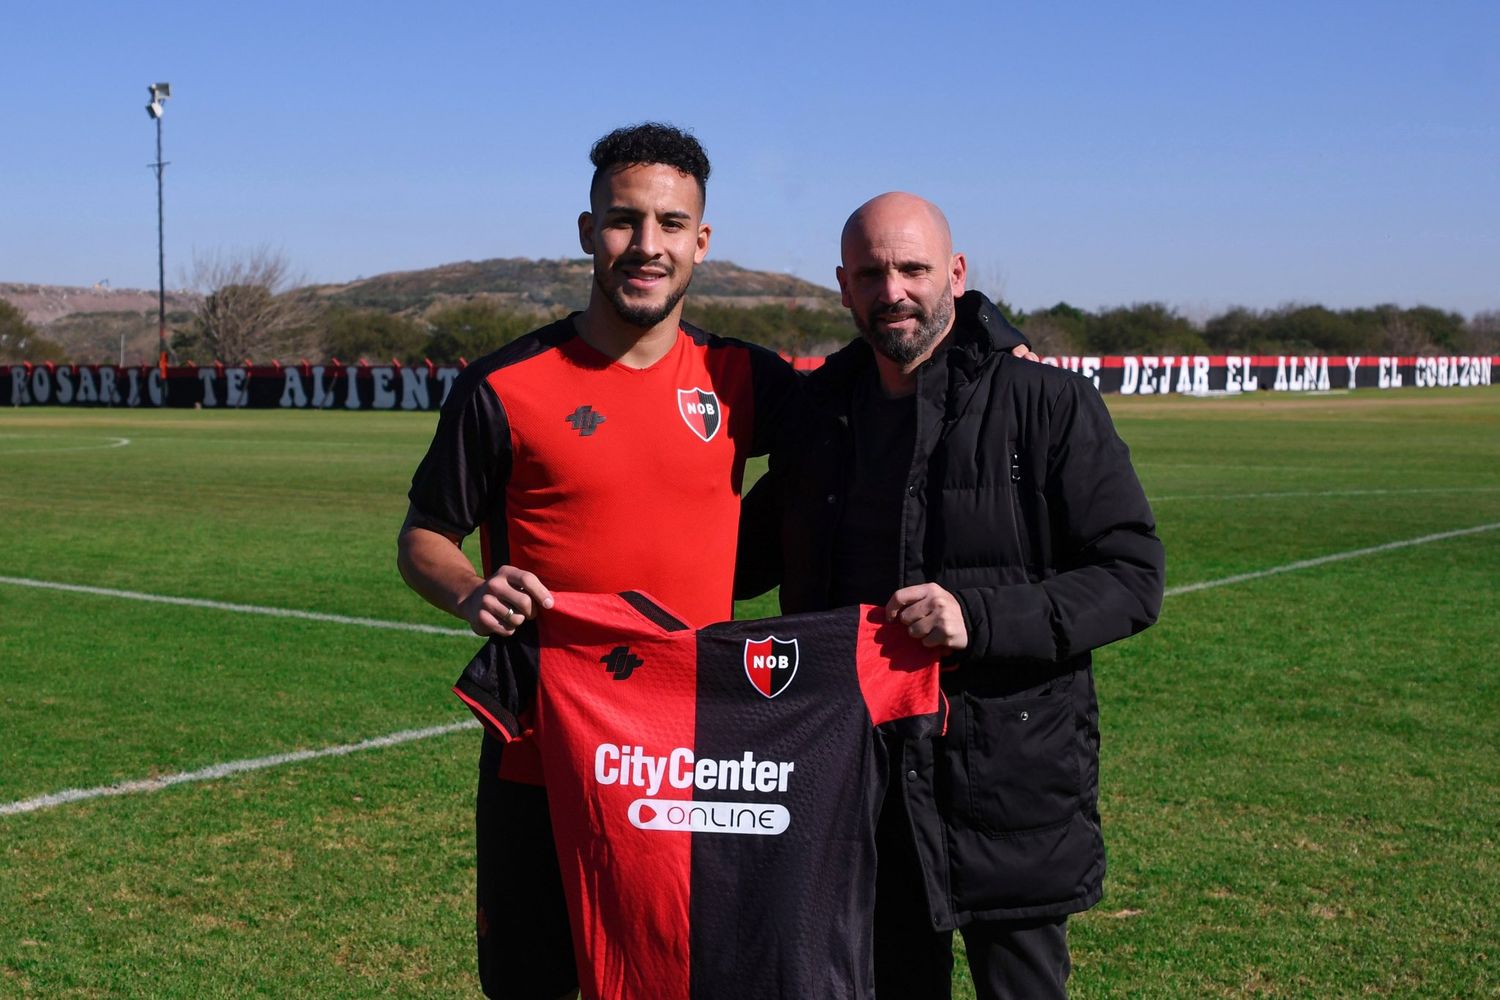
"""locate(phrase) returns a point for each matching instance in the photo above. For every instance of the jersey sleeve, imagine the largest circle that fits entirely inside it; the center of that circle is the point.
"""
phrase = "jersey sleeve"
(898, 677)
(781, 417)
(462, 477)
(777, 389)
(499, 684)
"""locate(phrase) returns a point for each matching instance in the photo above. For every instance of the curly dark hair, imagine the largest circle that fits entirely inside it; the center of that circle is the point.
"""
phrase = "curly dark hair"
(650, 143)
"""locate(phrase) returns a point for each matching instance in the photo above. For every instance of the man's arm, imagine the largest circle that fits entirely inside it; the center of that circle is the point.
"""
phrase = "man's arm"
(758, 562)
(455, 487)
(778, 401)
(782, 412)
(1112, 565)
(433, 564)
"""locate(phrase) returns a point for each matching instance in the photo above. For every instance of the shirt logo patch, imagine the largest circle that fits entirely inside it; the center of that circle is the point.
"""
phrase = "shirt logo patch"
(700, 411)
(764, 818)
(628, 765)
(585, 420)
(621, 662)
(770, 663)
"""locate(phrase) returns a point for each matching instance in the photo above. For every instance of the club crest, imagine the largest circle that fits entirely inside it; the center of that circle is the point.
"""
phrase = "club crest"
(700, 411)
(770, 663)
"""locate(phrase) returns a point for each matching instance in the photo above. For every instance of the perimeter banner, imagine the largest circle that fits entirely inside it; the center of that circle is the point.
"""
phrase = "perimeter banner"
(1197, 374)
(424, 387)
(301, 387)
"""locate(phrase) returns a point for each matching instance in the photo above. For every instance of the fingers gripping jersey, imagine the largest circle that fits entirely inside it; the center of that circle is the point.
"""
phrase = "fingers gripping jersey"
(713, 791)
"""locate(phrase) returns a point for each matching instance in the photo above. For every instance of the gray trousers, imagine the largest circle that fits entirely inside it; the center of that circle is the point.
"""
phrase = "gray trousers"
(1009, 960)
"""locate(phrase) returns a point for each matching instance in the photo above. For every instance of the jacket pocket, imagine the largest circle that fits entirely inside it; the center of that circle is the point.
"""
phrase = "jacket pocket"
(1020, 761)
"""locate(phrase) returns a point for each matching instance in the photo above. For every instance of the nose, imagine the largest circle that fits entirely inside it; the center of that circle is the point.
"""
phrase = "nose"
(648, 238)
(892, 289)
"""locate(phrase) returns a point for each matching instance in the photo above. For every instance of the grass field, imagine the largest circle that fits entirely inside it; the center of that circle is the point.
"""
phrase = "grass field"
(1301, 770)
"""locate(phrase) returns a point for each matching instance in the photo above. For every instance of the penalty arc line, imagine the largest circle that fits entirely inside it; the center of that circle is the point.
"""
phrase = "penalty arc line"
(217, 771)
(117, 443)
(405, 736)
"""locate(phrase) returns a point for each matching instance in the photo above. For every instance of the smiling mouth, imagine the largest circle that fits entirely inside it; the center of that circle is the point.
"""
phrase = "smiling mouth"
(892, 317)
(644, 278)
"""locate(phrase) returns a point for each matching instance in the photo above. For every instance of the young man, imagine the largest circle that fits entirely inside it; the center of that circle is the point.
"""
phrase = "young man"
(990, 506)
(601, 453)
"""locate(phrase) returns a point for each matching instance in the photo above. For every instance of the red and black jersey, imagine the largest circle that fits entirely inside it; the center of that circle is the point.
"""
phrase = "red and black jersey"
(600, 477)
(713, 791)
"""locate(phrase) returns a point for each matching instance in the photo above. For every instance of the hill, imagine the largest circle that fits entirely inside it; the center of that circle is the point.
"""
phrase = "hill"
(547, 285)
(90, 323)
(47, 304)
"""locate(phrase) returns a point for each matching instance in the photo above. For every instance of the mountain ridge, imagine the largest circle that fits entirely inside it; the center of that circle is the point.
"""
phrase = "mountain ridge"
(527, 284)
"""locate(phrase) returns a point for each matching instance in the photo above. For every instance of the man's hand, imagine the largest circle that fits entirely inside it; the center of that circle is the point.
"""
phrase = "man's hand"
(931, 614)
(1025, 353)
(504, 602)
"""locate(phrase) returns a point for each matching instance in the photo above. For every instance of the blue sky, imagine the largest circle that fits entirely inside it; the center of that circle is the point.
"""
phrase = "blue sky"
(1200, 154)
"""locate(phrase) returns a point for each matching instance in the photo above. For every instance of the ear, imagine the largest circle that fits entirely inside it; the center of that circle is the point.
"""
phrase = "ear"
(958, 273)
(586, 232)
(704, 232)
(843, 279)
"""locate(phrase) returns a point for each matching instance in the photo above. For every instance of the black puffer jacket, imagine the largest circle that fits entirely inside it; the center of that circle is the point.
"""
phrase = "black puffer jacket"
(1022, 502)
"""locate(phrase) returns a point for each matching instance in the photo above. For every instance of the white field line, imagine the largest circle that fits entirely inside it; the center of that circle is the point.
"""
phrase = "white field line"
(245, 609)
(114, 443)
(1189, 588)
(405, 736)
(1303, 494)
(216, 771)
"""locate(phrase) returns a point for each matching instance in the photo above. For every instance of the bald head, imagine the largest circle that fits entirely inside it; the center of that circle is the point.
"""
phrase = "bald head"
(900, 277)
(894, 215)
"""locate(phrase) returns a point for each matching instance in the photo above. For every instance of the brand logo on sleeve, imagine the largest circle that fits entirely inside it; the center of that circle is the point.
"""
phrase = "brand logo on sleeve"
(700, 411)
(770, 663)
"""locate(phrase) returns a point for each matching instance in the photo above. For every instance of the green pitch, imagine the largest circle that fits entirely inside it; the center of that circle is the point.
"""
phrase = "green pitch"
(1300, 776)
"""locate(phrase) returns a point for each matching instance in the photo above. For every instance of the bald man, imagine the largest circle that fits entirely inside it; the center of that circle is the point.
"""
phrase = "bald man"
(990, 506)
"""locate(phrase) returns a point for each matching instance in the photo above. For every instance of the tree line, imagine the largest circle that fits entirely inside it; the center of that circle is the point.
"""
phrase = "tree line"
(1153, 328)
(251, 309)
(20, 341)
(469, 329)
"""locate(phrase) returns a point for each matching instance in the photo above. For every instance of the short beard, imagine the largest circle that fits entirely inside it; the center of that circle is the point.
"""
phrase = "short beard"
(904, 349)
(641, 316)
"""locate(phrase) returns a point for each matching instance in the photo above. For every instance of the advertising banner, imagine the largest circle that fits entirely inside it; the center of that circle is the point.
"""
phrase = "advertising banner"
(424, 387)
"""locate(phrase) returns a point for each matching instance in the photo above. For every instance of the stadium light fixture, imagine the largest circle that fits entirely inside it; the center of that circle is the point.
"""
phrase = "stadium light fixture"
(159, 92)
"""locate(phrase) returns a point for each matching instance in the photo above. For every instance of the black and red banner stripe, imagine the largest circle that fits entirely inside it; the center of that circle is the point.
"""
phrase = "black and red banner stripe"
(424, 387)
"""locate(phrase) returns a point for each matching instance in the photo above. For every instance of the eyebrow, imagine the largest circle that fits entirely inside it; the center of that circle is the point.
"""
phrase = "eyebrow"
(675, 213)
(900, 265)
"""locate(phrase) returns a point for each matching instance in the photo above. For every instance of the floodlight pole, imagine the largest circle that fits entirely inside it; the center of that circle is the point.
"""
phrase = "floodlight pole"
(159, 93)
(161, 253)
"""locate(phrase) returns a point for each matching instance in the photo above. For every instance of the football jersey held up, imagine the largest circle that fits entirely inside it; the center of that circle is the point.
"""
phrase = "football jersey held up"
(713, 791)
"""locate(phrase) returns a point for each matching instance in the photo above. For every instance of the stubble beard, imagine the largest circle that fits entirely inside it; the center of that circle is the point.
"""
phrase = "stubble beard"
(904, 349)
(643, 316)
